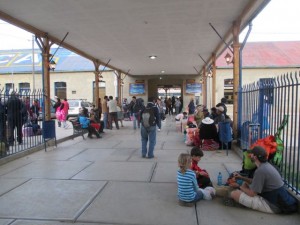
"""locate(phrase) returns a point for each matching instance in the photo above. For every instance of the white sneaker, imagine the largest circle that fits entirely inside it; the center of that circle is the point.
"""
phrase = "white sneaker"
(211, 190)
(158, 129)
(206, 194)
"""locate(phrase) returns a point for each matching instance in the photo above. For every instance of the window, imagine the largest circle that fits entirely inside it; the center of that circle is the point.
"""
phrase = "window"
(60, 89)
(228, 90)
(9, 87)
(24, 88)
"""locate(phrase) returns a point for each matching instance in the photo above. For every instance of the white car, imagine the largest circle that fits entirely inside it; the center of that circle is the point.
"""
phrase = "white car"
(75, 105)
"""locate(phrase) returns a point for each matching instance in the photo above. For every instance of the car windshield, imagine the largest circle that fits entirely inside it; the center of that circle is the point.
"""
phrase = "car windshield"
(73, 104)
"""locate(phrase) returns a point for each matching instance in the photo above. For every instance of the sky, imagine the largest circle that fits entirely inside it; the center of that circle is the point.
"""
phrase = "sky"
(277, 22)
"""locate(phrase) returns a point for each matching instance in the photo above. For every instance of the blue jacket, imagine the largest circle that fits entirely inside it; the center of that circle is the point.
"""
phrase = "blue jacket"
(84, 121)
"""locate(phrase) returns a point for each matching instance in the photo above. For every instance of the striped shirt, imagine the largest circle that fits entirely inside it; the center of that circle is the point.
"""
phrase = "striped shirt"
(187, 185)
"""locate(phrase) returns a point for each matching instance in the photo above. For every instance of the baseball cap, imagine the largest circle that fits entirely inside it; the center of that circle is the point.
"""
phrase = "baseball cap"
(259, 152)
(220, 108)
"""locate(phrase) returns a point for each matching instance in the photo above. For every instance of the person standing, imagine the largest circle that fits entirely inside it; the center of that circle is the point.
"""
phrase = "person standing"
(57, 106)
(112, 108)
(105, 111)
(14, 118)
(64, 112)
(150, 119)
(35, 111)
(191, 106)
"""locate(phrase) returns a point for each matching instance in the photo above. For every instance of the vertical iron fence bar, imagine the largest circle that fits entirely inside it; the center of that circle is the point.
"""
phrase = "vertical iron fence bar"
(297, 181)
(292, 130)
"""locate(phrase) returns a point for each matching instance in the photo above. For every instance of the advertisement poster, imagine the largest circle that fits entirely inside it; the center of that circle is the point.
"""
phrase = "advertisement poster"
(193, 88)
(136, 89)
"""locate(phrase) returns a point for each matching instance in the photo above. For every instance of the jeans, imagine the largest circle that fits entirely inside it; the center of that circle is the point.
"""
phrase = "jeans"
(148, 134)
(105, 118)
(136, 120)
(114, 117)
(199, 196)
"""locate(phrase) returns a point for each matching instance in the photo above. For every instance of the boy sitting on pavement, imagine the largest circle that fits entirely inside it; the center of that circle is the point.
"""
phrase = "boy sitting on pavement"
(202, 176)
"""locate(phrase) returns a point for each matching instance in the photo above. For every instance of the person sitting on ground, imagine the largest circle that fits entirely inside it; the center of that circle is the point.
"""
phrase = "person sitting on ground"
(213, 113)
(188, 189)
(266, 191)
(85, 123)
(198, 115)
(208, 135)
(202, 176)
(205, 113)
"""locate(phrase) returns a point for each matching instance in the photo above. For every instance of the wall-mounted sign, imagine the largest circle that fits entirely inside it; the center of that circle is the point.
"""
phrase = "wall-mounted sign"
(136, 89)
(193, 88)
(190, 81)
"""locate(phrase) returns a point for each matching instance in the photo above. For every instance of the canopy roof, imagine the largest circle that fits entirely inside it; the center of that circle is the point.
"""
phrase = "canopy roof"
(127, 32)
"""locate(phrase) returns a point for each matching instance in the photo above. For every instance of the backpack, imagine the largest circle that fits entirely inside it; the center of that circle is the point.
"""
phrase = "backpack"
(148, 118)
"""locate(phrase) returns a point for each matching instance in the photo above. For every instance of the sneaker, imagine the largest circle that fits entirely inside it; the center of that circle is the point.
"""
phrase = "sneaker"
(229, 202)
(206, 194)
(211, 190)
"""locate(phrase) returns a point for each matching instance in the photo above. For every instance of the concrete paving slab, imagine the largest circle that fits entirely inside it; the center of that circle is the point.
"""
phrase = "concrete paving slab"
(176, 145)
(49, 199)
(49, 169)
(214, 212)
(98, 143)
(139, 203)
(44, 222)
(5, 221)
(93, 155)
(59, 153)
(121, 171)
(160, 156)
(221, 157)
(13, 165)
(8, 184)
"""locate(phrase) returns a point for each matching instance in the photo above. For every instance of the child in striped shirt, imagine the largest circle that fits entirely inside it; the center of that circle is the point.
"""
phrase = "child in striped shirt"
(188, 190)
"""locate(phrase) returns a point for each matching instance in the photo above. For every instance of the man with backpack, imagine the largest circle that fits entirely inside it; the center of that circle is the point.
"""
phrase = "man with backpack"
(150, 119)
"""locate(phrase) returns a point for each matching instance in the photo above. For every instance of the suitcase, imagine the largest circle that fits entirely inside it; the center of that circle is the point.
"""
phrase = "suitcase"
(27, 131)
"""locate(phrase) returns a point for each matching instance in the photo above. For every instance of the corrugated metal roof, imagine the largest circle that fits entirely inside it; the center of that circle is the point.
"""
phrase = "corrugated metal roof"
(20, 61)
(267, 54)
(255, 55)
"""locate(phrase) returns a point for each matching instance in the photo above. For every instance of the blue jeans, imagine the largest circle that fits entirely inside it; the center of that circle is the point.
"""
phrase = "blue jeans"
(199, 196)
(148, 134)
(105, 118)
(136, 120)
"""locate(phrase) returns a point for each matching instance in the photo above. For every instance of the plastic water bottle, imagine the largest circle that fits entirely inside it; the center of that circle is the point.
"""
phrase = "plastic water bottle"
(220, 181)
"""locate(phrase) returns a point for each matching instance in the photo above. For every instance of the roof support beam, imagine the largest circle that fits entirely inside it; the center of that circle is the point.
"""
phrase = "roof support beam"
(236, 65)
(213, 79)
(204, 85)
(96, 86)
(45, 44)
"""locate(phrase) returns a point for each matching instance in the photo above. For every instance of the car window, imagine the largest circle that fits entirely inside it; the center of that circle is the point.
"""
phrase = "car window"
(85, 104)
(73, 104)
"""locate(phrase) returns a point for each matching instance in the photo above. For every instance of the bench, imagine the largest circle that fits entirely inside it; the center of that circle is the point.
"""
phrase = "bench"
(77, 129)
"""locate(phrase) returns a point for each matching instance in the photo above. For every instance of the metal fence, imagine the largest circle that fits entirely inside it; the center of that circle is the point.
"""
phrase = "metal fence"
(20, 120)
(266, 103)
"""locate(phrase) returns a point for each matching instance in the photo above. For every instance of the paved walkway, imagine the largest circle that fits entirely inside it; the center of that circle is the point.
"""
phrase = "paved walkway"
(105, 181)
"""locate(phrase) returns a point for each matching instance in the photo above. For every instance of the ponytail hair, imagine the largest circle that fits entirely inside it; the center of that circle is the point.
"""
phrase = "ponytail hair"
(184, 162)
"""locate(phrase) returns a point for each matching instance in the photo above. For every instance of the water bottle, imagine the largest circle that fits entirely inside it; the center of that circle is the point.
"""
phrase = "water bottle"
(219, 179)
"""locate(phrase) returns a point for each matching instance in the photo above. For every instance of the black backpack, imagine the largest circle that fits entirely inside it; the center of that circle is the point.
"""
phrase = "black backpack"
(148, 118)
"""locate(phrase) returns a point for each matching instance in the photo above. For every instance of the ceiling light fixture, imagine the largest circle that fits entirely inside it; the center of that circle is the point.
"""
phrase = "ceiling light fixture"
(152, 56)
(162, 71)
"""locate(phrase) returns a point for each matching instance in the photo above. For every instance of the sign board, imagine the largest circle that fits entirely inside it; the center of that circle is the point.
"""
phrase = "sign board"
(136, 89)
(193, 88)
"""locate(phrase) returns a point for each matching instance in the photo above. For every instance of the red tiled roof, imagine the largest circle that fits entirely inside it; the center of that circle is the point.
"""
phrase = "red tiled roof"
(267, 54)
